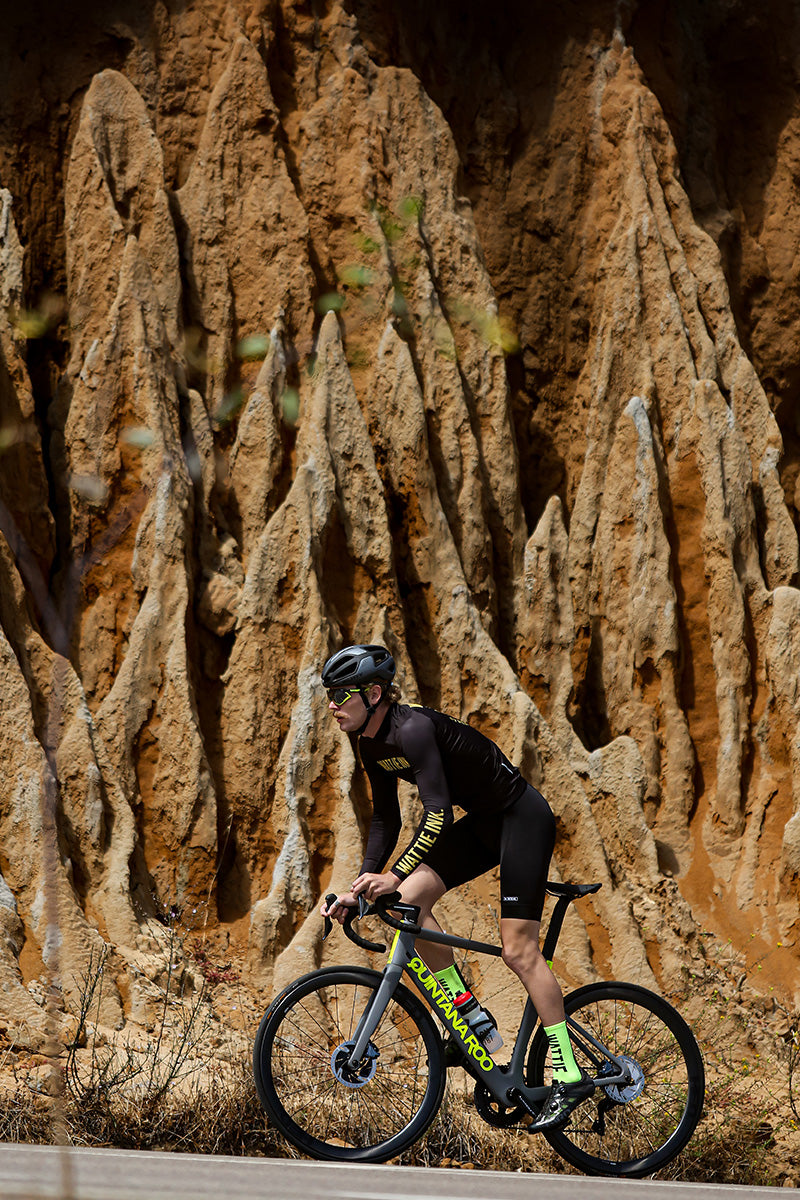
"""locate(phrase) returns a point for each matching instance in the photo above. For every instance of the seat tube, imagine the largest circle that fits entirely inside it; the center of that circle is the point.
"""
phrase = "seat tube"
(526, 1028)
(554, 929)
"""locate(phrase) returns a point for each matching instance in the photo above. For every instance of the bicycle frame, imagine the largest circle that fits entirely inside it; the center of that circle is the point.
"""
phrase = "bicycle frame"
(505, 1083)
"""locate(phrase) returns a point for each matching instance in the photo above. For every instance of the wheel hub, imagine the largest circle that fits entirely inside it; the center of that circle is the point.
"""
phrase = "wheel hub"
(623, 1093)
(357, 1074)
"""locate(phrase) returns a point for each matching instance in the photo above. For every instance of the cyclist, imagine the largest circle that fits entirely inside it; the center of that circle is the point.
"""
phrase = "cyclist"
(507, 822)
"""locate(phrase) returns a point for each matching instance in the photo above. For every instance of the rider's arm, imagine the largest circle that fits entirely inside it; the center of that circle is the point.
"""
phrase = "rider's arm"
(421, 751)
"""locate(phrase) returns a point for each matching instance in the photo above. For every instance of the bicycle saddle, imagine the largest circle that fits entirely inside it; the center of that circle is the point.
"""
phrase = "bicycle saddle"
(572, 890)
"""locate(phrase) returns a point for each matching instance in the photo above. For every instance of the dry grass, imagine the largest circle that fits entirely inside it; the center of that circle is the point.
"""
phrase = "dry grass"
(750, 1130)
(460, 1138)
(736, 1142)
(188, 1086)
(215, 1118)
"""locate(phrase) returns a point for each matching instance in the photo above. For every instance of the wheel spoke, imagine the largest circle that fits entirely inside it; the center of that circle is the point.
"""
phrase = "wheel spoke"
(636, 1128)
(319, 1104)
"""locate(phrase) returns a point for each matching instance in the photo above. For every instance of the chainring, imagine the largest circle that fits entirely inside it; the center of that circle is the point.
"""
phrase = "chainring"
(493, 1112)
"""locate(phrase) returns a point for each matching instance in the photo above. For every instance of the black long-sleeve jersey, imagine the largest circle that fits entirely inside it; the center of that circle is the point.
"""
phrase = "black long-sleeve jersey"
(450, 763)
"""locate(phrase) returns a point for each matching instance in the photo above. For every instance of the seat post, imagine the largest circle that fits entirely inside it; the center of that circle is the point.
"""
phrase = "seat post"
(554, 928)
(566, 893)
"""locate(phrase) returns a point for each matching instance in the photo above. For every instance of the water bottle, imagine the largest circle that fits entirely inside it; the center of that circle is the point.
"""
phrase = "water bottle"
(480, 1022)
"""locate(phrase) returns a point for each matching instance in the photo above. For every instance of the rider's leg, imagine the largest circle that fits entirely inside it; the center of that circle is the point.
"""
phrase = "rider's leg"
(460, 853)
(522, 954)
(424, 887)
(527, 840)
(526, 845)
(569, 1084)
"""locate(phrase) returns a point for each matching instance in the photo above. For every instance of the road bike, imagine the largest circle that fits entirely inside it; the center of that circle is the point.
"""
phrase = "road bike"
(351, 1066)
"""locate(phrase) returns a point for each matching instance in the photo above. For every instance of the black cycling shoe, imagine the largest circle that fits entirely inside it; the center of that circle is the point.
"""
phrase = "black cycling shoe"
(560, 1101)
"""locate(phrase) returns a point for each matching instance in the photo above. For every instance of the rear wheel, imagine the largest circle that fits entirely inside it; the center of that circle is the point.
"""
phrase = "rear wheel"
(636, 1127)
(364, 1112)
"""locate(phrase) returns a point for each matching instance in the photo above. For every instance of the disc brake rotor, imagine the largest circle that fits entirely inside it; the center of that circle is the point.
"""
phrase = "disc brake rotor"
(624, 1093)
(357, 1074)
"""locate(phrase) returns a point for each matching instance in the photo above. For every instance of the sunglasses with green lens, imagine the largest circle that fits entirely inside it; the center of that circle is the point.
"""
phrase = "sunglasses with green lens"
(339, 695)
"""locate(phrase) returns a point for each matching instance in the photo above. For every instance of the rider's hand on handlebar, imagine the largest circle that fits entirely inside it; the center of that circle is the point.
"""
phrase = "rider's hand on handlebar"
(372, 886)
(338, 910)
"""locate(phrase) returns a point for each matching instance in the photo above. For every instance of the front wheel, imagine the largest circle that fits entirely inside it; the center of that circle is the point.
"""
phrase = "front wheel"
(636, 1127)
(328, 1107)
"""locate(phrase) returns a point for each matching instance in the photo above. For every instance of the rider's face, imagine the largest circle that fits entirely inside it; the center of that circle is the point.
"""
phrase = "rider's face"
(351, 713)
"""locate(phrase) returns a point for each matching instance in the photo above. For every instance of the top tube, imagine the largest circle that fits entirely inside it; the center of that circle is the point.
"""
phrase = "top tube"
(409, 922)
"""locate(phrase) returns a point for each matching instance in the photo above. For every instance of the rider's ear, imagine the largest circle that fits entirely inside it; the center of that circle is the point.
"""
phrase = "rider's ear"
(375, 693)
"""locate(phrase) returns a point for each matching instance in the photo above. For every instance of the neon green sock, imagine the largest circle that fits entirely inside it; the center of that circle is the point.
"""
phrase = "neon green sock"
(451, 981)
(564, 1066)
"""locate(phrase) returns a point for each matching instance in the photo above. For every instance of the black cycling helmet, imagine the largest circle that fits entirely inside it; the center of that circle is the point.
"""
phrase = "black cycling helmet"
(358, 666)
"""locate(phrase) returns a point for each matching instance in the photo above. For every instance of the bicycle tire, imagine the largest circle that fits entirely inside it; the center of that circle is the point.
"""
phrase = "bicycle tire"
(299, 1073)
(638, 1134)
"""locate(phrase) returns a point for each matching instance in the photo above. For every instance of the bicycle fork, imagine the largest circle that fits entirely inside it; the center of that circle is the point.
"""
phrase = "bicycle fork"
(374, 1011)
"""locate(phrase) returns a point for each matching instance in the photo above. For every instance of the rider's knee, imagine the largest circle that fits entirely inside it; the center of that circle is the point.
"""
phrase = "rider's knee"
(423, 887)
(520, 955)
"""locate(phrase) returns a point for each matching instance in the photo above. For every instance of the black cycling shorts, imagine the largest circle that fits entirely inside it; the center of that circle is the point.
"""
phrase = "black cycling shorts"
(520, 839)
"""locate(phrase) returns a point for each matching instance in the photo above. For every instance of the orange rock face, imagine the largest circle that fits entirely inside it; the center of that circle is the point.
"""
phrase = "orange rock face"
(468, 333)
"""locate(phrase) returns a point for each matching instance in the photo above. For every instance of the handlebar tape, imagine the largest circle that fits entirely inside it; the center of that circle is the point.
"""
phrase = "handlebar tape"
(363, 910)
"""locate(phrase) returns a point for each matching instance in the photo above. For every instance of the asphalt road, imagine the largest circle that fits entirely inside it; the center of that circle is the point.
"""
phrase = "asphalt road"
(50, 1173)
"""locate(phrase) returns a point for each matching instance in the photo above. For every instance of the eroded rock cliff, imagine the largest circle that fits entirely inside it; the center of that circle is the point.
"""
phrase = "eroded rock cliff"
(323, 322)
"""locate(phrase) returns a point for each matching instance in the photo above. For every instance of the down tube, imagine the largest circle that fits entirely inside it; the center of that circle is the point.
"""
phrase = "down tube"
(496, 1080)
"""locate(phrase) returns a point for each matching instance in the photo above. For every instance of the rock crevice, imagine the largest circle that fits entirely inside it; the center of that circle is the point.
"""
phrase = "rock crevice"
(346, 362)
